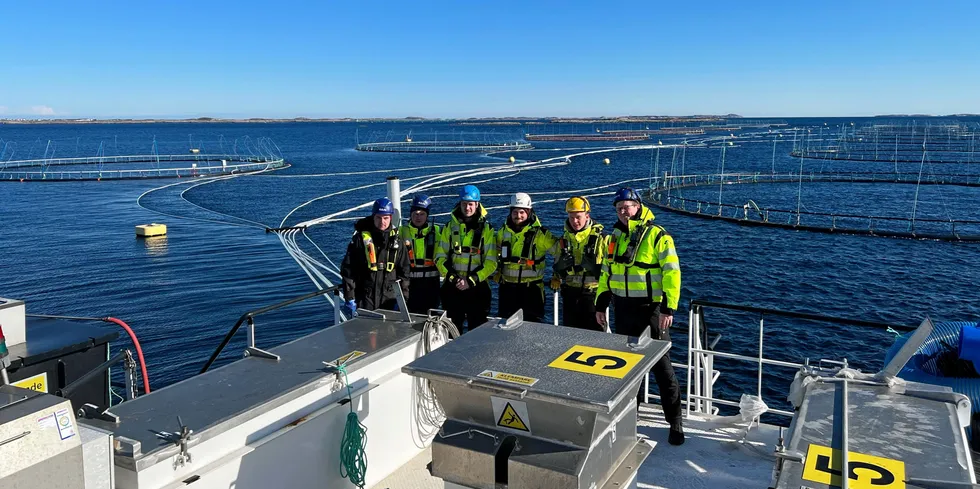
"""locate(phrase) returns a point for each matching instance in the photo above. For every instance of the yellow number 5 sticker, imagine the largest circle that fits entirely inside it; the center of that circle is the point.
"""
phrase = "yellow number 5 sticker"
(597, 361)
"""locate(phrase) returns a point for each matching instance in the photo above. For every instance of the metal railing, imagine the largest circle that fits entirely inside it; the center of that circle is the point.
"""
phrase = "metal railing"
(701, 372)
(249, 317)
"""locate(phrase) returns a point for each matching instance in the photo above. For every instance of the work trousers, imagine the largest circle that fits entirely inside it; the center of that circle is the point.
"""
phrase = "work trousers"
(632, 317)
(526, 296)
(578, 308)
(471, 305)
(423, 295)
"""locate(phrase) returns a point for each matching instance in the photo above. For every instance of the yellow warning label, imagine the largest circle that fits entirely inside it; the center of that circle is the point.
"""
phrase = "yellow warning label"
(349, 357)
(823, 465)
(37, 382)
(506, 377)
(597, 361)
(510, 419)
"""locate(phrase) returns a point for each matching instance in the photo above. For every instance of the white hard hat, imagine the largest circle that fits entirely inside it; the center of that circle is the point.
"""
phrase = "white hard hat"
(520, 200)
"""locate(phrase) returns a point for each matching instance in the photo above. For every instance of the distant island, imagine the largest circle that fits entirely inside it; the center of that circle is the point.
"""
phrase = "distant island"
(502, 121)
(470, 120)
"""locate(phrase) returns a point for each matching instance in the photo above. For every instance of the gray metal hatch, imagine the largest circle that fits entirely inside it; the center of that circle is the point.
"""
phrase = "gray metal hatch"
(211, 402)
(527, 350)
(532, 405)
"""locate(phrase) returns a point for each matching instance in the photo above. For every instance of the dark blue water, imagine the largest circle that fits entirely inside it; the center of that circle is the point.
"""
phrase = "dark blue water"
(68, 248)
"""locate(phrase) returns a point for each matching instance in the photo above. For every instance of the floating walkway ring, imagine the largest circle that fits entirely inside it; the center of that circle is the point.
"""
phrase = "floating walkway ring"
(136, 167)
(664, 197)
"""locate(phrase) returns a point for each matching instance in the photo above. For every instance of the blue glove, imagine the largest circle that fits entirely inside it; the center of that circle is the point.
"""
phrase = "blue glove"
(396, 306)
(350, 307)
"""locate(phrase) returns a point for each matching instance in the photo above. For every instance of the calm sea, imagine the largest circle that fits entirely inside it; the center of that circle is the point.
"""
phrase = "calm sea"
(69, 248)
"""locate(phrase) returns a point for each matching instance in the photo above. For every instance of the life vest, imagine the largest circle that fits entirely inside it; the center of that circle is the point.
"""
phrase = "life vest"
(584, 269)
(463, 252)
(527, 265)
(371, 254)
(420, 243)
(642, 265)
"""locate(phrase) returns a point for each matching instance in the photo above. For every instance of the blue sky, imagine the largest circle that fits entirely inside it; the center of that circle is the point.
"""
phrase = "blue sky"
(499, 58)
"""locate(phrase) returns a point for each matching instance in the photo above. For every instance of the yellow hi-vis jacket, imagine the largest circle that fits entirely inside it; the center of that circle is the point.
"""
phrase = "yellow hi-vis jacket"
(579, 255)
(420, 244)
(641, 263)
(521, 253)
(466, 253)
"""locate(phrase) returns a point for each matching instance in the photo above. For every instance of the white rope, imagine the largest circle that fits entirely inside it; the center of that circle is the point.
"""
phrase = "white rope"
(313, 268)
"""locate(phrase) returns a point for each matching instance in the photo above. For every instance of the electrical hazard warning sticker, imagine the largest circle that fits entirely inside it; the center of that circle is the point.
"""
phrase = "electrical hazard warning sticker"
(511, 414)
(506, 377)
(823, 465)
(350, 357)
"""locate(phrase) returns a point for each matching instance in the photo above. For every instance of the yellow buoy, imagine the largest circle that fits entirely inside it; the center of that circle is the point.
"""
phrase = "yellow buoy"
(148, 230)
(606, 161)
(512, 159)
(195, 150)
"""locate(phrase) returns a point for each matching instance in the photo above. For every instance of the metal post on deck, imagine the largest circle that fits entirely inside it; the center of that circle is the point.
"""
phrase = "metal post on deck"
(759, 387)
(845, 460)
(336, 307)
(253, 351)
(555, 294)
(395, 196)
(690, 334)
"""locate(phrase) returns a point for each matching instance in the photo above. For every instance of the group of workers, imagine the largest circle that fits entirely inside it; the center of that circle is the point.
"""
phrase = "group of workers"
(634, 269)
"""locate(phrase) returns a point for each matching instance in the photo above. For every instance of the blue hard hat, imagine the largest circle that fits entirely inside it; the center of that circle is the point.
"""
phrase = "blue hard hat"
(421, 201)
(383, 206)
(470, 193)
(626, 193)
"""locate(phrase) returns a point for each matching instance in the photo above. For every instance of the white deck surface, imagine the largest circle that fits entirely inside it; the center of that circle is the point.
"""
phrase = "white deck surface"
(712, 457)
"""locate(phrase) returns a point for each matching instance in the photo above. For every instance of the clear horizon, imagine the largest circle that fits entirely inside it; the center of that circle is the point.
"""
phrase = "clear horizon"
(446, 60)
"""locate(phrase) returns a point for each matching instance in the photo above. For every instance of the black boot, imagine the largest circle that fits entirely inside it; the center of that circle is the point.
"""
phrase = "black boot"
(676, 436)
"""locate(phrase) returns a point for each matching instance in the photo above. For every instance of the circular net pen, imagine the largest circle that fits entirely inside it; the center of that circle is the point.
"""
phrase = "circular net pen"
(451, 142)
(262, 155)
(953, 142)
(729, 197)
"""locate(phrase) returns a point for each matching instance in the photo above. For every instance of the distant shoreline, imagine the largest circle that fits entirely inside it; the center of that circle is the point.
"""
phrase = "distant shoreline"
(471, 120)
(503, 121)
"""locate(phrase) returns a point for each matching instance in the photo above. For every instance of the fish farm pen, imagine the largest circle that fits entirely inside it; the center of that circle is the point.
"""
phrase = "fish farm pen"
(586, 137)
(665, 193)
(932, 143)
(231, 157)
(451, 142)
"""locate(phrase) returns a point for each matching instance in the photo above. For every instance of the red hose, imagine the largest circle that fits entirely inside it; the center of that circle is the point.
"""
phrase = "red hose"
(139, 351)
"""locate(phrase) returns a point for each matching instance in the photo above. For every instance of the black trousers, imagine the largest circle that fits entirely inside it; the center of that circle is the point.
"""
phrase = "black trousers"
(471, 305)
(578, 308)
(423, 295)
(632, 317)
(527, 296)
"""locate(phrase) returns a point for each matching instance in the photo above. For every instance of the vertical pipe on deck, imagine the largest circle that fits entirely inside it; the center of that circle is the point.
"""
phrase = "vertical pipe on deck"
(395, 196)
(555, 294)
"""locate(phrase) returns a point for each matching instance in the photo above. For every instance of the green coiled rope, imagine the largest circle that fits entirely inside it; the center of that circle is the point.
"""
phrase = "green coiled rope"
(353, 458)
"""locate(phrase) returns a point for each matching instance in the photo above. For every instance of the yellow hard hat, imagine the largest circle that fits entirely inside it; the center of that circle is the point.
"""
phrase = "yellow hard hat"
(577, 204)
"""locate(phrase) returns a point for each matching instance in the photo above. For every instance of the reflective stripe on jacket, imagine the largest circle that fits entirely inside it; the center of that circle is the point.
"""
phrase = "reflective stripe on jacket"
(420, 244)
(374, 260)
(579, 255)
(642, 263)
(466, 255)
(522, 253)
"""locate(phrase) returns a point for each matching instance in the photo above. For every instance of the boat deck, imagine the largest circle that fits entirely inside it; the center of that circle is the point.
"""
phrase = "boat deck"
(712, 456)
